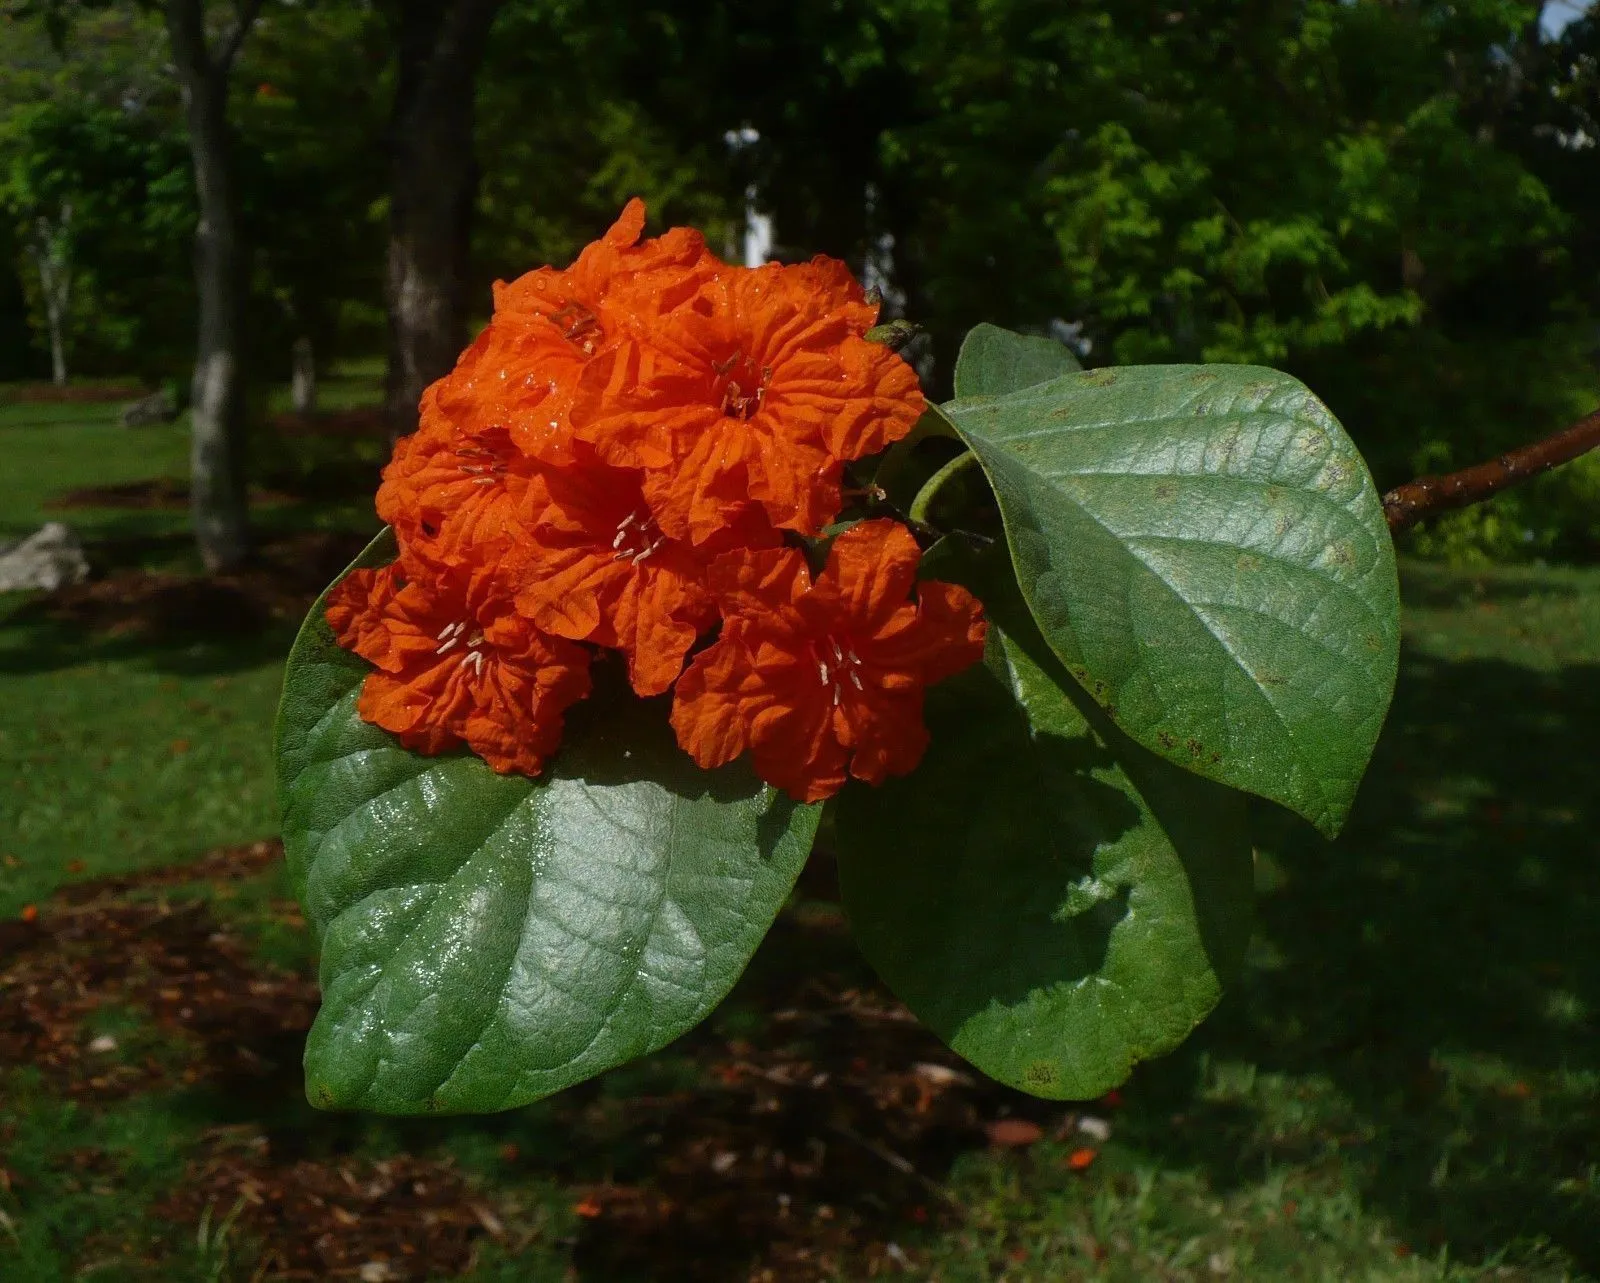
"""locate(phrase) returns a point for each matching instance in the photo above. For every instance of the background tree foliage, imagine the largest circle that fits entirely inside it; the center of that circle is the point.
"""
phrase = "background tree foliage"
(1396, 200)
(99, 133)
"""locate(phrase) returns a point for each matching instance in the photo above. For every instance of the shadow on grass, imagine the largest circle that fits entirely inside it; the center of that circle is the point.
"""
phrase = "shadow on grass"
(1418, 1024)
(791, 1125)
(1438, 966)
(173, 620)
(1431, 587)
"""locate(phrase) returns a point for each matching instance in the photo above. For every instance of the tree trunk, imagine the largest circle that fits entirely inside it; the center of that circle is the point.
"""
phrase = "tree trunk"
(433, 186)
(52, 255)
(217, 501)
(303, 377)
(58, 354)
(55, 322)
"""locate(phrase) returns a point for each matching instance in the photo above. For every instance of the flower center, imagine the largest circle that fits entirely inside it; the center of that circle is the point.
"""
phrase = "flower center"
(637, 537)
(465, 634)
(579, 326)
(482, 467)
(837, 664)
(741, 385)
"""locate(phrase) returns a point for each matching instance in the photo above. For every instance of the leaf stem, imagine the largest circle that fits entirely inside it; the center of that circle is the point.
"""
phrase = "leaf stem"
(935, 483)
(1408, 504)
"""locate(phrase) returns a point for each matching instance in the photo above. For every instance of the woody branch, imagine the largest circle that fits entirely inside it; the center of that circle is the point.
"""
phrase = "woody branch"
(1427, 496)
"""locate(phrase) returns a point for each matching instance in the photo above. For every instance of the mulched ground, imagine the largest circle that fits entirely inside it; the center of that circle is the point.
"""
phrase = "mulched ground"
(161, 493)
(278, 585)
(795, 1155)
(381, 1221)
(48, 393)
(228, 1016)
(284, 576)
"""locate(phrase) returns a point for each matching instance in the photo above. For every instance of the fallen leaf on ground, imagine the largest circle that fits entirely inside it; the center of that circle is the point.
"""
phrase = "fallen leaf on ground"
(1013, 1133)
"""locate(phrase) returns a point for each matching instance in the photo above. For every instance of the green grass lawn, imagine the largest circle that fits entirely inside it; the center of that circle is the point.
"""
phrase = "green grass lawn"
(117, 752)
(52, 449)
(1404, 1085)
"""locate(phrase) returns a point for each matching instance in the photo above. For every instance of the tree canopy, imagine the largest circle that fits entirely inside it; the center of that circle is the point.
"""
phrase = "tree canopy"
(1397, 202)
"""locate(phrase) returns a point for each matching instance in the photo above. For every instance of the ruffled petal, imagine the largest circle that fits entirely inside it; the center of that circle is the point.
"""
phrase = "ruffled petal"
(943, 636)
(709, 711)
(889, 735)
(871, 568)
(760, 585)
(799, 754)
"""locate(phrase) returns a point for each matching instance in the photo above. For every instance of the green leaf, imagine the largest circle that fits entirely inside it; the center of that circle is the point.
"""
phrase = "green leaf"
(994, 361)
(1054, 901)
(489, 939)
(1205, 550)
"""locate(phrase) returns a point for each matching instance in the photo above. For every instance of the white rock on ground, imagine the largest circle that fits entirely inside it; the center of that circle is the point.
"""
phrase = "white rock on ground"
(48, 558)
(149, 411)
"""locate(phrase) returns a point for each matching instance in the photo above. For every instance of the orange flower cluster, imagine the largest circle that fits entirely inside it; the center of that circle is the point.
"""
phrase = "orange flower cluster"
(627, 457)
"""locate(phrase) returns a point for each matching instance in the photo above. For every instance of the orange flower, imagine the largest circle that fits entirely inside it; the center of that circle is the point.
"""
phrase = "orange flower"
(610, 462)
(597, 568)
(455, 664)
(666, 269)
(549, 322)
(820, 678)
(452, 486)
(452, 495)
(759, 387)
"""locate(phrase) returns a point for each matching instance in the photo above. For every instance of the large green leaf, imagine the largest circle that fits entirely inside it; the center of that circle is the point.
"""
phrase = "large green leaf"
(1205, 550)
(1054, 901)
(994, 361)
(488, 939)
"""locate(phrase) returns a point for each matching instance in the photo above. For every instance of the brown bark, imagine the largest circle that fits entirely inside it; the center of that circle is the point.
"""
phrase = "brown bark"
(433, 187)
(217, 501)
(1426, 496)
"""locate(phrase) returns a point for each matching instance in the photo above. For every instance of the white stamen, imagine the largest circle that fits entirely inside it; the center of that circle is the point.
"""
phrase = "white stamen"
(838, 654)
(622, 528)
(856, 678)
(646, 553)
(447, 645)
(854, 658)
(476, 639)
(822, 672)
(836, 695)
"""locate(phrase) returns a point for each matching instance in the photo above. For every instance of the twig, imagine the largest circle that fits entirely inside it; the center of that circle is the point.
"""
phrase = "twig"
(1405, 505)
(902, 1165)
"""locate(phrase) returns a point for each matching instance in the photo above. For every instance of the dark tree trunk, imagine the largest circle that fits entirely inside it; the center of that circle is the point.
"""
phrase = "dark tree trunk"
(217, 500)
(433, 186)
